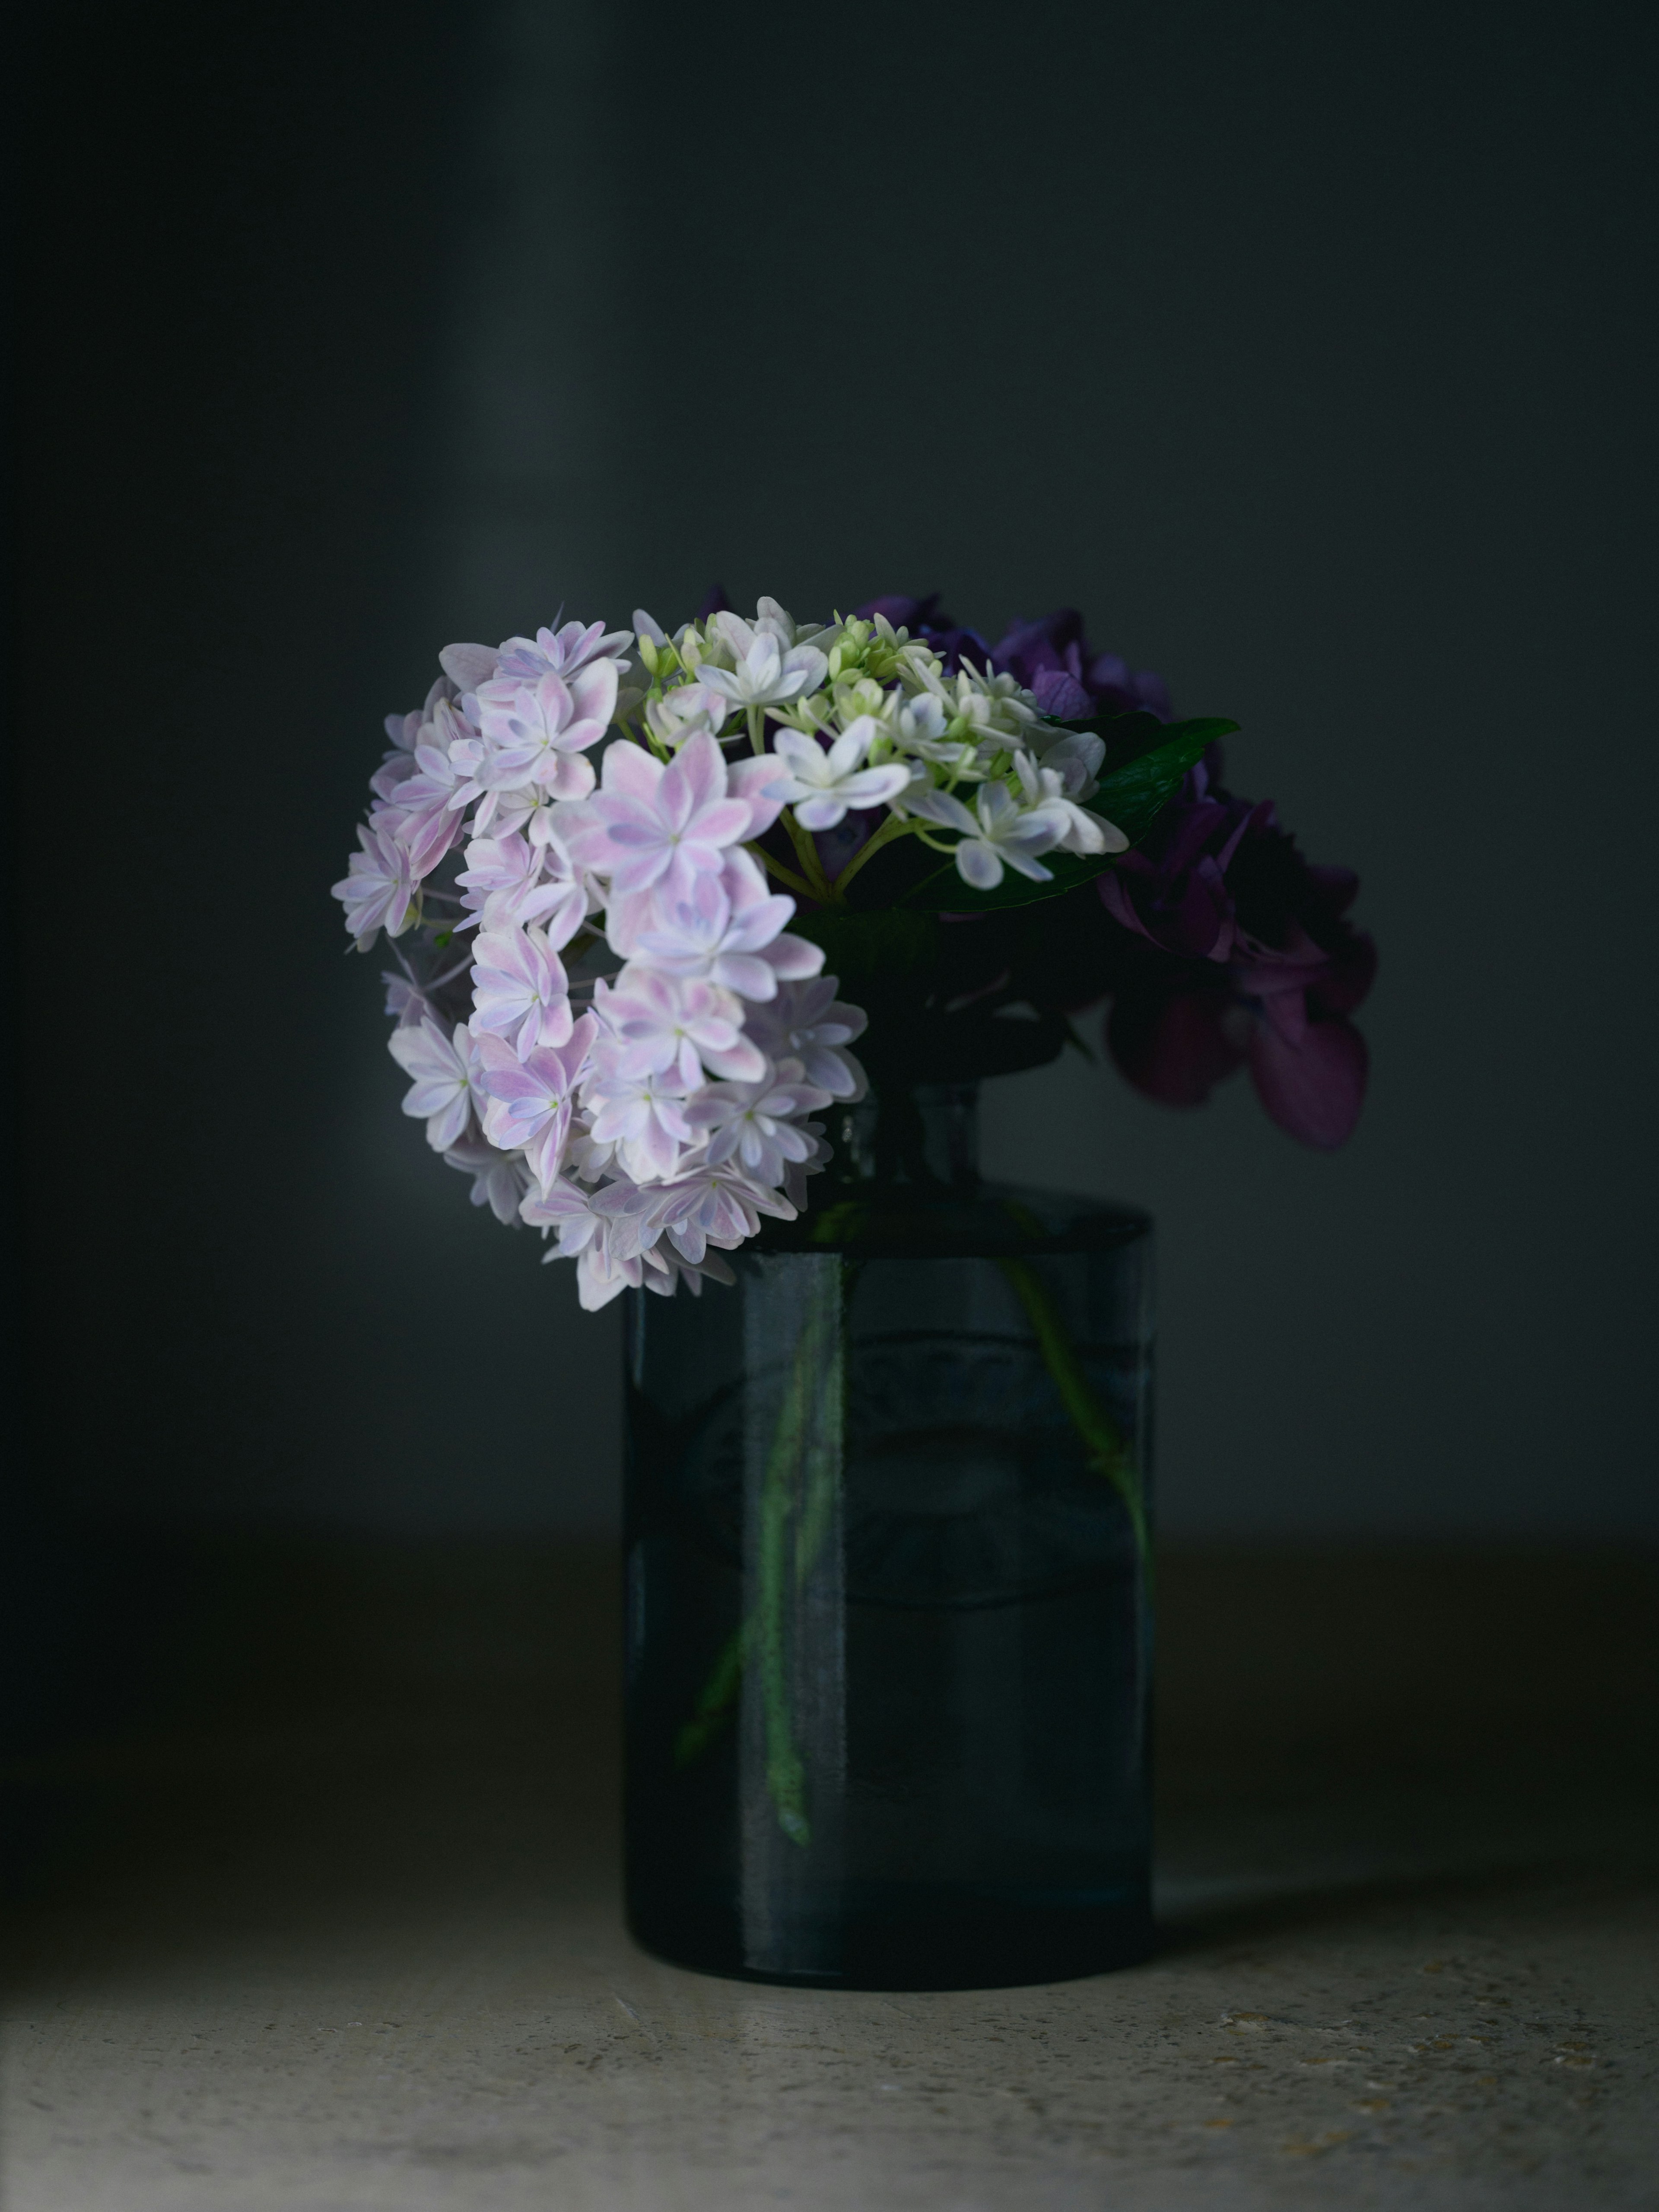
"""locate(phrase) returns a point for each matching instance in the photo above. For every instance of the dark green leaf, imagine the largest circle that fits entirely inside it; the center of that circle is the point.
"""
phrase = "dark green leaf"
(1134, 795)
(1126, 737)
(945, 892)
(865, 950)
(888, 880)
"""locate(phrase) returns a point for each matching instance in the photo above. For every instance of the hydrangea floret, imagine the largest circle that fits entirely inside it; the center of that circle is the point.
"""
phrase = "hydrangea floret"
(586, 849)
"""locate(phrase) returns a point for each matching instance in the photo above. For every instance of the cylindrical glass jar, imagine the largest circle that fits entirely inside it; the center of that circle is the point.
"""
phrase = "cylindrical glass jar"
(889, 1619)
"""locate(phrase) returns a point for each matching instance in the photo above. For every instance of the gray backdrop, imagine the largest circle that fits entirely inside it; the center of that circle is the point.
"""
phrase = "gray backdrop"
(1309, 351)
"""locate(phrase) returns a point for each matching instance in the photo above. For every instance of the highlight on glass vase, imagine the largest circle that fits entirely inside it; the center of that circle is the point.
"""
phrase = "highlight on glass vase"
(889, 1577)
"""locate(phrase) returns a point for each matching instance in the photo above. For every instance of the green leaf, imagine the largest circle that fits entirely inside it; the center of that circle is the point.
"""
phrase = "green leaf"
(870, 949)
(1132, 796)
(1126, 737)
(945, 892)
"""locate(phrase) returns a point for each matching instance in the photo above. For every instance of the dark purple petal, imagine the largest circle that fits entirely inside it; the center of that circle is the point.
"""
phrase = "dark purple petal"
(1059, 693)
(1031, 647)
(904, 614)
(1109, 671)
(1313, 1089)
(1347, 979)
(1189, 913)
(1152, 693)
(953, 647)
(1285, 1011)
(1175, 1048)
(1335, 887)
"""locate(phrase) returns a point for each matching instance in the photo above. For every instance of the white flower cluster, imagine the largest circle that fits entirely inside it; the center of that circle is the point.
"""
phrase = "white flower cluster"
(630, 1056)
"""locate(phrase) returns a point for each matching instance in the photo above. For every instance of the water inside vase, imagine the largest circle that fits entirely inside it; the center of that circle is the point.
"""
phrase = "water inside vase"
(889, 1626)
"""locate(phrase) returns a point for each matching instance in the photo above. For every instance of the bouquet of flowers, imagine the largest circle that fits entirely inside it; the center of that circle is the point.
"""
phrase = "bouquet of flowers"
(614, 865)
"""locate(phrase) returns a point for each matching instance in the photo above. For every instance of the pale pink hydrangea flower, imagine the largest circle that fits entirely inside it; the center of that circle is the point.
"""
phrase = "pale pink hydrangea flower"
(714, 1205)
(424, 810)
(729, 931)
(560, 652)
(378, 890)
(536, 734)
(656, 827)
(510, 883)
(441, 1093)
(532, 1101)
(753, 1123)
(807, 1022)
(643, 1116)
(520, 991)
(406, 1002)
(654, 1131)
(404, 733)
(500, 1180)
(679, 1029)
(568, 1213)
(583, 1233)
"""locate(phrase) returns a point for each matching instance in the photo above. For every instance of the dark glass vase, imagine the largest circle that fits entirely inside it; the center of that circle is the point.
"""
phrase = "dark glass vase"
(889, 1629)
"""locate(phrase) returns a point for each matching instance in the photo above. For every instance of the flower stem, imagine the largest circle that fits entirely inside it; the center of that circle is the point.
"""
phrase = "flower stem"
(808, 852)
(784, 875)
(1108, 1453)
(797, 1448)
(786, 1777)
(893, 827)
(718, 1695)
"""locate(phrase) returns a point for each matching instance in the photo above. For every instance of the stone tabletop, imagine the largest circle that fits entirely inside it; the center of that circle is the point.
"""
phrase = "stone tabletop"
(328, 1919)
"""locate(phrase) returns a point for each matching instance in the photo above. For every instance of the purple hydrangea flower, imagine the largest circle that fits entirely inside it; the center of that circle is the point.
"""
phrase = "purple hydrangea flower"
(1172, 889)
(1068, 679)
(1239, 952)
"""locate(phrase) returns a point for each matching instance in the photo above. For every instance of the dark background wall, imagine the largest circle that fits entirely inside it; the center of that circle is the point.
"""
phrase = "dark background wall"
(1308, 350)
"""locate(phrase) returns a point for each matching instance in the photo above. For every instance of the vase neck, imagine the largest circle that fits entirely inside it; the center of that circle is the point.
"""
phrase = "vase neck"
(924, 1133)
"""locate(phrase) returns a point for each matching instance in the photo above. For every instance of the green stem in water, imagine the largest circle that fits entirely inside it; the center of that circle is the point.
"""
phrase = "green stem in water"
(785, 1779)
(720, 1693)
(1107, 1454)
(823, 1468)
(800, 1417)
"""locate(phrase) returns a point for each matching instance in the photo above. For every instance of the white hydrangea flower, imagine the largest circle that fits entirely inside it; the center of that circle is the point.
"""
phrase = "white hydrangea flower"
(1075, 756)
(1077, 829)
(999, 832)
(821, 786)
(994, 710)
(683, 710)
(921, 726)
(767, 676)
(771, 620)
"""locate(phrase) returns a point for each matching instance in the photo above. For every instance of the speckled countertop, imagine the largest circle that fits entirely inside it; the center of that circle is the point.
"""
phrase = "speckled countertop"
(330, 1922)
